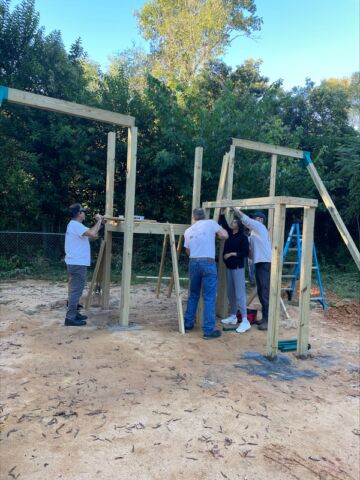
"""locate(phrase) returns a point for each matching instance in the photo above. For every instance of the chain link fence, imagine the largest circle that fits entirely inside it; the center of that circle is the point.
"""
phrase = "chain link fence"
(41, 254)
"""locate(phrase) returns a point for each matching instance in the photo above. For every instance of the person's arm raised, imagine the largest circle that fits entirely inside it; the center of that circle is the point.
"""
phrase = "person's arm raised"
(93, 231)
(248, 222)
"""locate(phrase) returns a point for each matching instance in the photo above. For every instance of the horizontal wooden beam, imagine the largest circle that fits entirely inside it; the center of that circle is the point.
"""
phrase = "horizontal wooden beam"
(267, 148)
(149, 228)
(61, 106)
(263, 203)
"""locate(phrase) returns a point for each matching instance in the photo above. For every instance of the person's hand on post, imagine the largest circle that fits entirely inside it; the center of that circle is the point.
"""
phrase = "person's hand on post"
(237, 212)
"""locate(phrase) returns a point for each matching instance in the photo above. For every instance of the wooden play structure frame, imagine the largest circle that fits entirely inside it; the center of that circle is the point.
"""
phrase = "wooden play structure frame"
(276, 222)
(127, 225)
(276, 205)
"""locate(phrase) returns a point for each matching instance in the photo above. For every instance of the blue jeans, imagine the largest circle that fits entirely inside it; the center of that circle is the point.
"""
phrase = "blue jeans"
(203, 274)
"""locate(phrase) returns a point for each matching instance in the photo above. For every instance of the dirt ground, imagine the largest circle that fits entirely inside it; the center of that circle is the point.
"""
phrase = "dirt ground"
(96, 403)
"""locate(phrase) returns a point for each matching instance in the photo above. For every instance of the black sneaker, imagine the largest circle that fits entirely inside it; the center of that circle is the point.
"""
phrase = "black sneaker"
(258, 322)
(263, 326)
(188, 329)
(79, 316)
(213, 334)
(74, 323)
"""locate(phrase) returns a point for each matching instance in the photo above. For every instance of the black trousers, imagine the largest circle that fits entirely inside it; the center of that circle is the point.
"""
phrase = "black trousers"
(262, 275)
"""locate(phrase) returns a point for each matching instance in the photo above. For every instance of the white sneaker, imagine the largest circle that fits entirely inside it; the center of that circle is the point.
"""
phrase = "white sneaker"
(232, 320)
(244, 326)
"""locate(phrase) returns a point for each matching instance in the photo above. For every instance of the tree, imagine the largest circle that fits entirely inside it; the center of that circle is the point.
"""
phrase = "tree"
(185, 35)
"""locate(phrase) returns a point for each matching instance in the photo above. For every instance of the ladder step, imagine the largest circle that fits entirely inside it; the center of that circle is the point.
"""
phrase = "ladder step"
(315, 299)
(290, 263)
(287, 276)
(286, 288)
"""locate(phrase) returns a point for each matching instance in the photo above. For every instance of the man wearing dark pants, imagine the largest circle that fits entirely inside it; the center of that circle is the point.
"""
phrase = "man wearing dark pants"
(260, 249)
(77, 259)
(200, 246)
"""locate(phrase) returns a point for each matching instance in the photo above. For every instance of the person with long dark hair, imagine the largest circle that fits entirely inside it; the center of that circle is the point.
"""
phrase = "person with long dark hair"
(236, 249)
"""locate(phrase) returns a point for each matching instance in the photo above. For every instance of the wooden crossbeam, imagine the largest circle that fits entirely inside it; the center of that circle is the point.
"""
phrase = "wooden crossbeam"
(150, 228)
(263, 203)
(70, 108)
(267, 148)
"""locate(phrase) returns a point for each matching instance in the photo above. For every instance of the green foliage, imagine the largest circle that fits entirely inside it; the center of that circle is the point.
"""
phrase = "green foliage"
(48, 161)
(186, 36)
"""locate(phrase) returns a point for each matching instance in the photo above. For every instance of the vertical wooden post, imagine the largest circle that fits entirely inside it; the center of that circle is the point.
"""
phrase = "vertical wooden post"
(305, 280)
(178, 252)
(197, 178)
(128, 226)
(222, 304)
(162, 261)
(109, 210)
(196, 199)
(221, 187)
(275, 280)
(272, 194)
(176, 281)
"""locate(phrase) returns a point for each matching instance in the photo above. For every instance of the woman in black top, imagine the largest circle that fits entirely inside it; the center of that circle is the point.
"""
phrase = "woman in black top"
(236, 249)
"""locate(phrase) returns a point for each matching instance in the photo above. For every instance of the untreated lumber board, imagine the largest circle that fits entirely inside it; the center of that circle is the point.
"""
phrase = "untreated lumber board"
(197, 177)
(162, 261)
(263, 202)
(275, 281)
(178, 252)
(150, 228)
(95, 274)
(176, 281)
(267, 148)
(345, 235)
(221, 186)
(70, 108)
(128, 226)
(109, 211)
(272, 189)
(305, 280)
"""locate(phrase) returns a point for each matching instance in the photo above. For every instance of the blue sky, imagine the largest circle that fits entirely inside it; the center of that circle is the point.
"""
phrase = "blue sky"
(299, 38)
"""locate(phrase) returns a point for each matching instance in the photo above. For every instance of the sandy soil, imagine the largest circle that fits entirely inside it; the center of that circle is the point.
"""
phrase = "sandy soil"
(91, 402)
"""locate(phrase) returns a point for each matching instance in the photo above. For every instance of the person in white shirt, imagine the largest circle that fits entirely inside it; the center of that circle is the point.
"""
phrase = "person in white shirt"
(200, 246)
(261, 253)
(77, 259)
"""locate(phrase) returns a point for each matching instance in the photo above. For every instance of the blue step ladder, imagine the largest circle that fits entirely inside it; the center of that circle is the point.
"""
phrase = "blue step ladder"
(293, 245)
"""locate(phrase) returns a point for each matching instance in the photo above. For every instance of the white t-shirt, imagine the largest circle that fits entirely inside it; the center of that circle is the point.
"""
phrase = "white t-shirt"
(260, 245)
(200, 238)
(77, 246)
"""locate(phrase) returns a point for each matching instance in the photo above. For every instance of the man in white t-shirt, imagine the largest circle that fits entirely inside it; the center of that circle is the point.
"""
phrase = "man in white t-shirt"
(261, 253)
(200, 246)
(77, 259)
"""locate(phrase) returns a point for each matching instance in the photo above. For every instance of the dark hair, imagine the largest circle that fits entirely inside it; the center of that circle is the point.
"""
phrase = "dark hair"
(199, 214)
(75, 209)
(239, 224)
